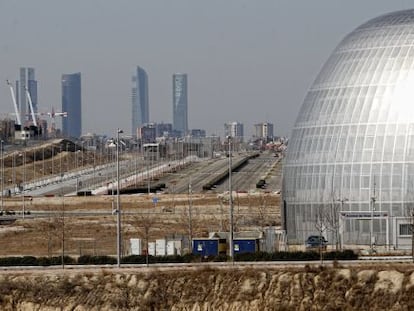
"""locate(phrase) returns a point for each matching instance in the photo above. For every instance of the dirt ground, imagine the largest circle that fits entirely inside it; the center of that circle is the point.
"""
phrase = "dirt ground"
(87, 225)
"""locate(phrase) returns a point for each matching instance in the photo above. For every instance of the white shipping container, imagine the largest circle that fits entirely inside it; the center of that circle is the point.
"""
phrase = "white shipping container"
(136, 246)
(151, 248)
(171, 248)
(178, 245)
(160, 247)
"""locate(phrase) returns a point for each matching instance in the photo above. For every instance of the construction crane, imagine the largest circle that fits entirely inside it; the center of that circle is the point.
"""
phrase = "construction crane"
(52, 114)
(16, 109)
(29, 98)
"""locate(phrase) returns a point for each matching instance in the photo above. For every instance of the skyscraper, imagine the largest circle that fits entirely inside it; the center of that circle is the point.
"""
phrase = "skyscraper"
(27, 80)
(140, 105)
(235, 130)
(72, 104)
(180, 118)
(264, 130)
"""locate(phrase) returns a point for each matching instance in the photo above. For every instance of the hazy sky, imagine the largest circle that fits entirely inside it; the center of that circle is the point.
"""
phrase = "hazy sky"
(247, 60)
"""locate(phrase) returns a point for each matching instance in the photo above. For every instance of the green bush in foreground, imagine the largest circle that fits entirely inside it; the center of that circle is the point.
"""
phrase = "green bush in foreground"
(96, 260)
(296, 256)
(188, 258)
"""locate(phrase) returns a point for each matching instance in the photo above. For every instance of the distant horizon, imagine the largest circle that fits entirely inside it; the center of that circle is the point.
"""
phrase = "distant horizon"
(246, 61)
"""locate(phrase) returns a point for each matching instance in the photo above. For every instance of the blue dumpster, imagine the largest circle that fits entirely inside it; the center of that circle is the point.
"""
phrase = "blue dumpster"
(242, 246)
(209, 247)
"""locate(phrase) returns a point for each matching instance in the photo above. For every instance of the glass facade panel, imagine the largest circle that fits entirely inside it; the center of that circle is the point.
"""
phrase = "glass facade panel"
(354, 135)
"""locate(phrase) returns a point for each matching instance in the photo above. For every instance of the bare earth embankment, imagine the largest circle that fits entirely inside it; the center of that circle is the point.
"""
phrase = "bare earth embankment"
(310, 288)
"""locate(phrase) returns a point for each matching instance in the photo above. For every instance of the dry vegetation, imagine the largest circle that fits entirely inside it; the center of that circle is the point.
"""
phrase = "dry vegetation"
(50, 158)
(63, 218)
(311, 288)
(373, 287)
(95, 234)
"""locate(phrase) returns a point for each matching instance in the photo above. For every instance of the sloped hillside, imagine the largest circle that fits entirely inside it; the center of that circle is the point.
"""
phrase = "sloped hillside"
(370, 288)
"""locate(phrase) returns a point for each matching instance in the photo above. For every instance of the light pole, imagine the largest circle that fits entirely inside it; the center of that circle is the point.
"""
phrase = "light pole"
(118, 203)
(34, 164)
(14, 172)
(190, 221)
(63, 220)
(342, 201)
(24, 180)
(229, 140)
(43, 162)
(2, 174)
(53, 156)
(371, 231)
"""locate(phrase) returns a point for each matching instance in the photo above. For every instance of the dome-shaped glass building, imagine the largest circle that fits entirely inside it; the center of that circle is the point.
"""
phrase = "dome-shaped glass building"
(349, 168)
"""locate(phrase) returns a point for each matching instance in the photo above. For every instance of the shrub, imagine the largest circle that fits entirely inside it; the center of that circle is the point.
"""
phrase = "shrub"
(96, 260)
(44, 261)
(134, 259)
(295, 256)
(28, 261)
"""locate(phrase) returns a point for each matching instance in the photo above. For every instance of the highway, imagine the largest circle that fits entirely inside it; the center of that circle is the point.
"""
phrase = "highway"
(196, 175)
(177, 175)
(100, 179)
(245, 179)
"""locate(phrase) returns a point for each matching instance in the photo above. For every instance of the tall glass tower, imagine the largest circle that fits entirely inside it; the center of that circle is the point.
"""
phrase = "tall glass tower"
(180, 107)
(72, 104)
(140, 105)
(27, 80)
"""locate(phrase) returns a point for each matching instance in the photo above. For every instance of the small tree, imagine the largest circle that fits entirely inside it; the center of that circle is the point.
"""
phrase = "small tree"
(145, 222)
(321, 219)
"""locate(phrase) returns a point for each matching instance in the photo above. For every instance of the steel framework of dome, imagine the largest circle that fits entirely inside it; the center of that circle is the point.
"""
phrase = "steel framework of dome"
(349, 169)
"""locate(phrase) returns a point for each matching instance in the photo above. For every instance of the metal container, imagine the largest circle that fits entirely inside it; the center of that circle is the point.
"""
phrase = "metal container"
(242, 246)
(151, 248)
(160, 247)
(206, 247)
(171, 251)
(136, 246)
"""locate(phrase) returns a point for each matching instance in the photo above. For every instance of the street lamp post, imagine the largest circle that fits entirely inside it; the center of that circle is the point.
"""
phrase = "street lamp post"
(23, 182)
(371, 231)
(53, 156)
(118, 203)
(34, 164)
(63, 221)
(341, 242)
(190, 206)
(82, 152)
(43, 162)
(229, 138)
(2, 174)
(14, 172)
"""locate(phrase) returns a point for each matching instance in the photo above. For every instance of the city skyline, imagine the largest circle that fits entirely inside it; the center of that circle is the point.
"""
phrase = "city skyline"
(247, 71)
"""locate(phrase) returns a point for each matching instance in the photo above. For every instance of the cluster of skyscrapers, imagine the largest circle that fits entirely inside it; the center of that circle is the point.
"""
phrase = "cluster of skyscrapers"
(25, 96)
(141, 125)
(140, 105)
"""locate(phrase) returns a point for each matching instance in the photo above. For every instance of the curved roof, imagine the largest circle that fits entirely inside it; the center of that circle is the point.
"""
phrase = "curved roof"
(354, 134)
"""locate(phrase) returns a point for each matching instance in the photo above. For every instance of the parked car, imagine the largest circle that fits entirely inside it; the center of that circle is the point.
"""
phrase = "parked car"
(316, 242)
